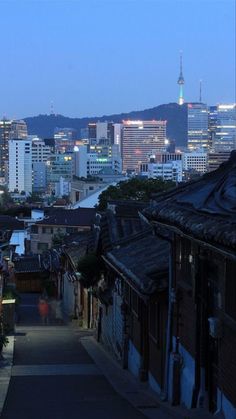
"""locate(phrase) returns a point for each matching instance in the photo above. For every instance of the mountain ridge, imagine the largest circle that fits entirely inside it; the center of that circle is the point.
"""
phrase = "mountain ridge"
(176, 116)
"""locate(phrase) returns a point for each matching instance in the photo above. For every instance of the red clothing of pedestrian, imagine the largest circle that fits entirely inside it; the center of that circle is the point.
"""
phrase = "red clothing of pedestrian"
(43, 310)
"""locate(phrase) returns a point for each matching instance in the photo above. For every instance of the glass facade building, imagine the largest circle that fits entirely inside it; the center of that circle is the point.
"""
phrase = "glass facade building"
(225, 135)
(198, 134)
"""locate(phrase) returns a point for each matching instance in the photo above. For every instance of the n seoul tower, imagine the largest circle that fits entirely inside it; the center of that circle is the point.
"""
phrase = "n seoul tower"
(181, 83)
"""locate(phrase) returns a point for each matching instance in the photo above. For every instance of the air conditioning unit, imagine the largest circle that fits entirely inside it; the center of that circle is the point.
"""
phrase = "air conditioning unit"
(215, 327)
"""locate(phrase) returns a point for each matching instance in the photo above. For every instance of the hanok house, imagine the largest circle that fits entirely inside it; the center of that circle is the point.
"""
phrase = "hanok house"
(78, 301)
(201, 333)
(61, 223)
(9, 227)
(28, 273)
(133, 293)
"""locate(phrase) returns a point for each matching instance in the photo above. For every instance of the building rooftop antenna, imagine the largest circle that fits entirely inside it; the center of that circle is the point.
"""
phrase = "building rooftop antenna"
(52, 109)
(181, 81)
(200, 91)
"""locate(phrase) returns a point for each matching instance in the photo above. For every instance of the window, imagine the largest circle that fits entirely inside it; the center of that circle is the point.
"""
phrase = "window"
(34, 229)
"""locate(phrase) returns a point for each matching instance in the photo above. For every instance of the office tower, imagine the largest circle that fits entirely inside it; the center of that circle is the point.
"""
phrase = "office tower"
(81, 154)
(212, 124)
(225, 136)
(40, 151)
(5, 130)
(60, 165)
(198, 135)
(117, 135)
(40, 155)
(164, 157)
(51, 143)
(170, 146)
(18, 130)
(98, 161)
(171, 170)
(9, 129)
(139, 139)
(181, 83)
(39, 177)
(216, 158)
(104, 133)
(84, 133)
(65, 133)
(20, 166)
(196, 161)
(92, 133)
(65, 139)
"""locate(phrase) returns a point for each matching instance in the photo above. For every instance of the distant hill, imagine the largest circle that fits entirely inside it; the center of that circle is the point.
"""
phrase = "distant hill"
(176, 116)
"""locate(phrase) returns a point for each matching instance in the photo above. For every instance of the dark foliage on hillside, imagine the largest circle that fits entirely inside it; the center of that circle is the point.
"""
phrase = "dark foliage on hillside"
(43, 125)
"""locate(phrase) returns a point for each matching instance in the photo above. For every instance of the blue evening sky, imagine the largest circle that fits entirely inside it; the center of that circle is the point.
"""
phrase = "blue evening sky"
(95, 57)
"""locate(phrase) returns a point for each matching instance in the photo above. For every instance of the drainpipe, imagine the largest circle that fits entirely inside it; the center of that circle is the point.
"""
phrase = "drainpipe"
(164, 395)
(91, 308)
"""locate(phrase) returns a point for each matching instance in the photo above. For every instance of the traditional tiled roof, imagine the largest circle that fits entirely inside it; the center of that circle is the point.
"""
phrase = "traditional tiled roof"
(10, 223)
(83, 243)
(70, 217)
(205, 209)
(143, 260)
(127, 208)
(27, 264)
(122, 220)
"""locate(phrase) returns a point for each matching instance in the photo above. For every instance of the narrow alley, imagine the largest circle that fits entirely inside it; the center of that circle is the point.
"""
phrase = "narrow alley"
(53, 376)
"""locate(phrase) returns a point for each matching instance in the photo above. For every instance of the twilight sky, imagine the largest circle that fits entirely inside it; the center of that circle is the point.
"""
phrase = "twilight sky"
(95, 57)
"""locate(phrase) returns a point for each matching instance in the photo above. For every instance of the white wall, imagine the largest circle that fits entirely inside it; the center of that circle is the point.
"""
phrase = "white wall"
(20, 165)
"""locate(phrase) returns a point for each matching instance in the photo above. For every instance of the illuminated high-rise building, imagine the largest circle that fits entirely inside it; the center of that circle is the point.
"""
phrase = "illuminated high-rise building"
(212, 124)
(198, 134)
(5, 130)
(181, 83)
(104, 133)
(139, 140)
(18, 130)
(65, 139)
(20, 167)
(9, 129)
(225, 134)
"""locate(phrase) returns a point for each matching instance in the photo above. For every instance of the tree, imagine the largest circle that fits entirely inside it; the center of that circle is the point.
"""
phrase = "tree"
(58, 239)
(33, 198)
(5, 198)
(138, 189)
(90, 267)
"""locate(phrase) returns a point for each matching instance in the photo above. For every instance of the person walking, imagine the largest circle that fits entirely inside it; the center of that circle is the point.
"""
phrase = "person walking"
(43, 310)
(58, 312)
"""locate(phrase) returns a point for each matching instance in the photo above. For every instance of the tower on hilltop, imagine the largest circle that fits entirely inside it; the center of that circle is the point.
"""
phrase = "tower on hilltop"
(181, 83)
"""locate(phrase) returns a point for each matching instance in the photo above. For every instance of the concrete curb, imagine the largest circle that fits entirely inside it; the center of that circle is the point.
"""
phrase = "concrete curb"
(5, 370)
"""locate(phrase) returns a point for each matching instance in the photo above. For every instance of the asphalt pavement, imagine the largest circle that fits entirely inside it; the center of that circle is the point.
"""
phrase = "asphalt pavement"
(54, 377)
(61, 372)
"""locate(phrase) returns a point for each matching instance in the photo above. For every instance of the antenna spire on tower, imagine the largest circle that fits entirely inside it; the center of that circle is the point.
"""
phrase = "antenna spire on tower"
(52, 108)
(200, 91)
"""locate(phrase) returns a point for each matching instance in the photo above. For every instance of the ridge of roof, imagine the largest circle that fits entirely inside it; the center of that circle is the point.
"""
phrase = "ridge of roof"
(205, 208)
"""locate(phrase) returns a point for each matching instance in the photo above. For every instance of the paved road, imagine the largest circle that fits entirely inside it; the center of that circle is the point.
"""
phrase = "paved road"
(54, 377)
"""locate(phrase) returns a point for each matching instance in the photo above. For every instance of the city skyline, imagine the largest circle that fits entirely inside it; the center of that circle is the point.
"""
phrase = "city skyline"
(94, 58)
